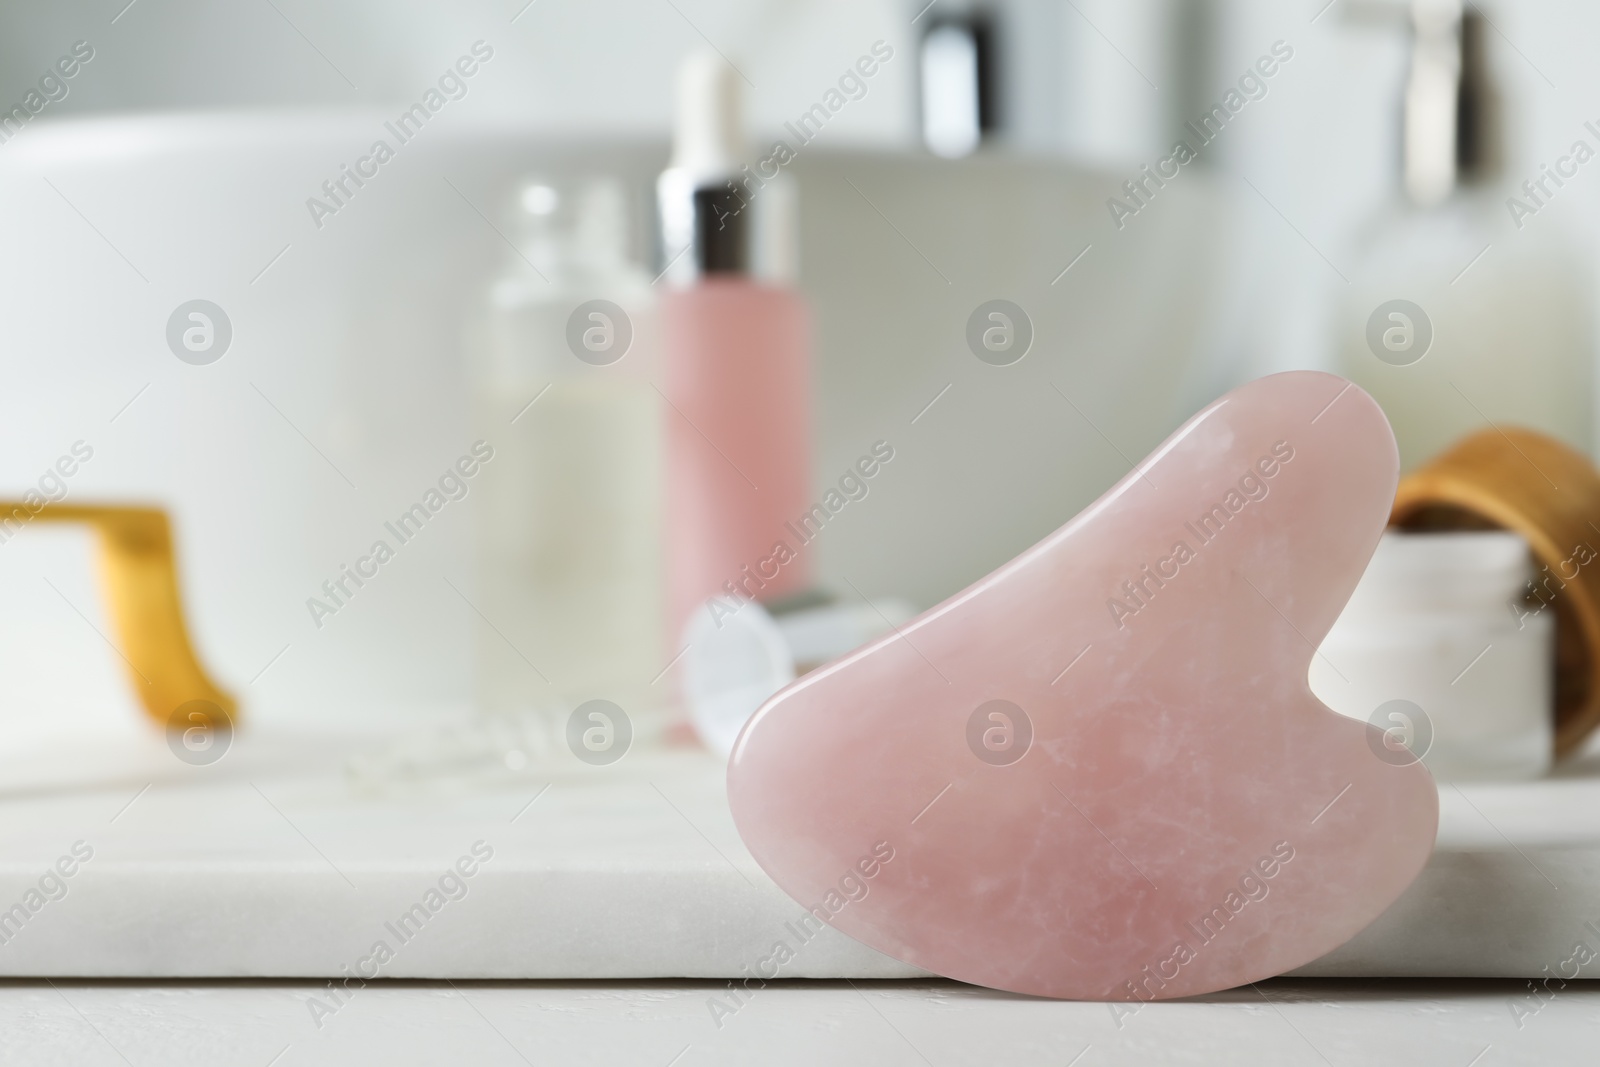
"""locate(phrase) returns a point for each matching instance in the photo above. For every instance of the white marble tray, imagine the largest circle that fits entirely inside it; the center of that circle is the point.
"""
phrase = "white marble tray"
(271, 863)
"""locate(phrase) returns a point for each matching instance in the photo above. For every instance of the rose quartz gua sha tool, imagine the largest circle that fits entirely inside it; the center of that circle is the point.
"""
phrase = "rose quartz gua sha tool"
(1099, 773)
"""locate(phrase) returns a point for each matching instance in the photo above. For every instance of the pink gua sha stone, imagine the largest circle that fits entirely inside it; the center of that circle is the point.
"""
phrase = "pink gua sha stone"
(1161, 808)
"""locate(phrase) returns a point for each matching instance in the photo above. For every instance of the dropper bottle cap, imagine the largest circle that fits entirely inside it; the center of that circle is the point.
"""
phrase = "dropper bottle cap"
(708, 137)
(705, 227)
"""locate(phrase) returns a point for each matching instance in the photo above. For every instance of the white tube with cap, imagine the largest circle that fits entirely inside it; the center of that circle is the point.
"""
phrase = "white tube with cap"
(735, 662)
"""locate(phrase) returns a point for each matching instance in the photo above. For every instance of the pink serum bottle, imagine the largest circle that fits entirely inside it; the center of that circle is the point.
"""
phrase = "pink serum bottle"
(737, 372)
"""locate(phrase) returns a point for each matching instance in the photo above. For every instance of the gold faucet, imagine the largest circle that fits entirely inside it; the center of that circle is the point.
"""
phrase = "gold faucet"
(139, 576)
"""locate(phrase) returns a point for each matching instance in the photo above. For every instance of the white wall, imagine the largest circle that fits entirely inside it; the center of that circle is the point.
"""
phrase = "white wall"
(594, 67)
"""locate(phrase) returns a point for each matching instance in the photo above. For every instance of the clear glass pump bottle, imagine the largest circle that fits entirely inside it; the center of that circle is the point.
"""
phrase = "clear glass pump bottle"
(1460, 313)
(569, 554)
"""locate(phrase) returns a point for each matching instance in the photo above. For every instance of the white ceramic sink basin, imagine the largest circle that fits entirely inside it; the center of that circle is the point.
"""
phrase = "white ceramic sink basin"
(344, 386)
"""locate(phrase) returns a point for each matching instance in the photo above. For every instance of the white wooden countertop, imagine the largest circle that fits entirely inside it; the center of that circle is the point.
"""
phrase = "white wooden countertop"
(1281, 1023)
(274, 863)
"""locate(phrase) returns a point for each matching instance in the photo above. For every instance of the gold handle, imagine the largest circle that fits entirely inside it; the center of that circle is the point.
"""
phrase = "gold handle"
(139, 576)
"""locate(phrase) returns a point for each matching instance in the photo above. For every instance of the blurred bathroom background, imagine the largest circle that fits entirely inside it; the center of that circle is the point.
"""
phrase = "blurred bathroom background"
(983, 161)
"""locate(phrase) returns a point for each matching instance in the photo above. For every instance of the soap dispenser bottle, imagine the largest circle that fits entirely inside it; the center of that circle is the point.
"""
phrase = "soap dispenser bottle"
(736, 368)
(1463, 312)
